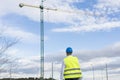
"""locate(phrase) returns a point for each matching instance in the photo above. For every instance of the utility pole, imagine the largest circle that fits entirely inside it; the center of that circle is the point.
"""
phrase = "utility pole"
(93, 72)
(101, 74)
(10, 70)
(106, 72)
(52, 70)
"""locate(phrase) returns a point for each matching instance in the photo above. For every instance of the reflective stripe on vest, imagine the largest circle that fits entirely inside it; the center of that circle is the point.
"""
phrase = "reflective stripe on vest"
(72, 68)
(72, 73)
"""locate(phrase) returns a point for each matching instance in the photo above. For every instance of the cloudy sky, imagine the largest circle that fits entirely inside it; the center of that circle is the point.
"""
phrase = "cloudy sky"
(90, 27)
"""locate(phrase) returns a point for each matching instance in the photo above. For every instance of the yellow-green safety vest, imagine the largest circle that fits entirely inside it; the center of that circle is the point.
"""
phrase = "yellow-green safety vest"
(72, 67)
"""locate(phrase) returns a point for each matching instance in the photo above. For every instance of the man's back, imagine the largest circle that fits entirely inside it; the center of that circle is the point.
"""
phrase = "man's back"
(72, 67)
(71, 62)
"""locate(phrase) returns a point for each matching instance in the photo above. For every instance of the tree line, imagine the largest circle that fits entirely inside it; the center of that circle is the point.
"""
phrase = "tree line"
(30, 78)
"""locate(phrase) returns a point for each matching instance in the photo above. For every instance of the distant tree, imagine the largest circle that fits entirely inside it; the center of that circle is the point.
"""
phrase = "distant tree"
(5, 44)
(49, 79)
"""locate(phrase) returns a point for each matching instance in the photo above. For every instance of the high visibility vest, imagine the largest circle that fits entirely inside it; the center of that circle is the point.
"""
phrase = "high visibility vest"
(72, 67)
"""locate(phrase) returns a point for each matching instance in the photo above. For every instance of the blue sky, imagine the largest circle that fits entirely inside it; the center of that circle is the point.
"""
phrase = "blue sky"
(90, 27)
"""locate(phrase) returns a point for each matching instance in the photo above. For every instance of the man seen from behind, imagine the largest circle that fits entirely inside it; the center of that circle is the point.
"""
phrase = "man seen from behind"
(70, 67)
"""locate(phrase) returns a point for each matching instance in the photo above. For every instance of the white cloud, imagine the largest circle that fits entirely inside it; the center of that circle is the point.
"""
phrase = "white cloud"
(89, 28)
(115, 70)
(12, 52)
(109, 3)
(25, 36)
(108, 6)
(116, 46)
(28, 63)
(15, 32)
(12, 6)
(71, 1)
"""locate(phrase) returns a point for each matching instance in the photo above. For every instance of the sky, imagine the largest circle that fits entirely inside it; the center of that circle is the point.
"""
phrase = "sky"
(90, 27)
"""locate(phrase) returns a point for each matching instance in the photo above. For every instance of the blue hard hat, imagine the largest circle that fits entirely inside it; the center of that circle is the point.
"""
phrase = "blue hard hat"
(69, 50)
